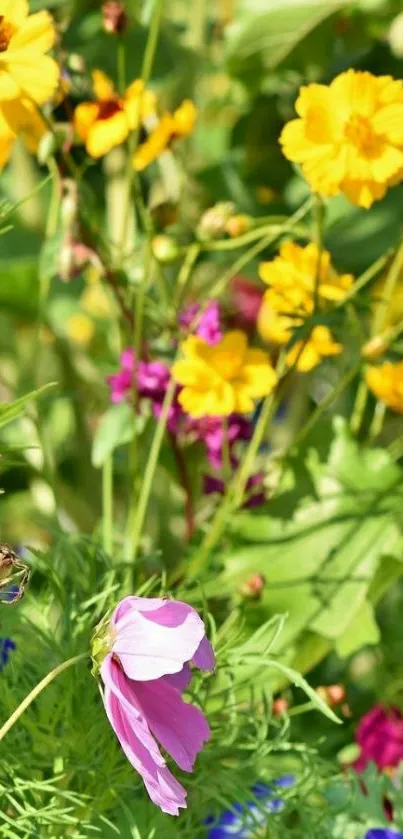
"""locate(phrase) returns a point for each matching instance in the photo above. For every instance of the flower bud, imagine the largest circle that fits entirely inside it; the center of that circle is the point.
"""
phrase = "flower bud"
(165, 249)
(213, 222)
(395, 36)
(14, 576)
(115, 20)
(253, 587)
(333, 695)
(238, 225)
(69, 203)
(46, 148)
(375, 347)
(280, 706)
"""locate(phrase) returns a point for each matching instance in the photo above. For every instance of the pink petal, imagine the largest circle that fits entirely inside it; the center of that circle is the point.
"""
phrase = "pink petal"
(149, 650)
(115, 680)
(180, 727)
(140, 604)
(204, 657)
(180, 680)
(164, 790)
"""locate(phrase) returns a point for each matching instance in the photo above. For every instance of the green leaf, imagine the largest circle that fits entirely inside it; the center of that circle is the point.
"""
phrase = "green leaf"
(362, 630)
(300, 682)
(14, 409)
(320, 556)
(118, 426)
(263, 38)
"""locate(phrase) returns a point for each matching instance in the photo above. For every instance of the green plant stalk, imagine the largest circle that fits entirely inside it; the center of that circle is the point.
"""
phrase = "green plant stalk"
(377, 421)
(121, 62)
(37, 690)
(326, 403)
(190, 260)
(139, 512)
(107, 505)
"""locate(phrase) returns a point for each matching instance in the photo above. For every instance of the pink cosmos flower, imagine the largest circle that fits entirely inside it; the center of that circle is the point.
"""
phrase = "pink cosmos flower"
(380, 736)
(152, 644)
(122, 382)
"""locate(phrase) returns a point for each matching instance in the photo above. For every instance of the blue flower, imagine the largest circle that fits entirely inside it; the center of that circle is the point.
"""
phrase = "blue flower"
(10, 593)
(6, 645)
(383, 833)
(241, 822)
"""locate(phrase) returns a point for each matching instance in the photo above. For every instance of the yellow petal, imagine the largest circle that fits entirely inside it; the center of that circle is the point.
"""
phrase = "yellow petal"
(9, 88)
(36, 34)
(23, 118)
(354, 92)
(102, 86)
(84, 117)
(36, 77)
(14, 10)
(389, 122)
(105, 134)
(184, 118)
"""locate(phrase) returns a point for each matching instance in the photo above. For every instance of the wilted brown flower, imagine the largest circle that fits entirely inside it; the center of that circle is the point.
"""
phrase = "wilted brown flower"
(115, 19)
(14, 576)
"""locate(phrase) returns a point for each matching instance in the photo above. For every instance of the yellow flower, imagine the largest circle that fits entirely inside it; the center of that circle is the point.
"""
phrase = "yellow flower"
(108, 121)
(25, 70)
(319, 345)
(80, 329)
(281, 311)
(170, 127)
(386, 382)
(349, 136)
(218, 380)
(96, 301)
(292, 278)
(298, 266)
(19, 117)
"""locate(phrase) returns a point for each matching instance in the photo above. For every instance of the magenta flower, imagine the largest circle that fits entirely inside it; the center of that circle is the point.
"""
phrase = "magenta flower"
(151, 644)
(210, 430)
(122, 382)
(209, 324)
(380, 736)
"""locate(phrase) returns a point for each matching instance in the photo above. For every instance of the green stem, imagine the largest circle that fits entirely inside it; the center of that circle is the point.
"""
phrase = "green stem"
(152, 42)
(107, 505)
(319, 219)
(184, 274)
(360, 405)
(121, 67)
(138, 514)
(377, 421)
(326, 403)
(37, 690)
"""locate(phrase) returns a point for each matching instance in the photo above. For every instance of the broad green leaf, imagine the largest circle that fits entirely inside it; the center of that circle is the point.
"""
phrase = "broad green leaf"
(362, 630)
(320, 559)
(118, 426)
(14, 409)
(259, 41)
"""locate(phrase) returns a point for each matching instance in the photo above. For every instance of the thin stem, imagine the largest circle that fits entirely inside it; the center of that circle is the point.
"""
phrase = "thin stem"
(319, 218)
(326, 403)
(107, 505)
(121, 66)
(184, 274)
(377, 421)
(152, 41)
(138, 514)
(186, 485)
(37, 690)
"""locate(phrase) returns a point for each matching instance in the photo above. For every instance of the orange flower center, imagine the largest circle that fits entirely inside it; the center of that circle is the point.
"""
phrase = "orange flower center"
(7, 31)
(360, 132)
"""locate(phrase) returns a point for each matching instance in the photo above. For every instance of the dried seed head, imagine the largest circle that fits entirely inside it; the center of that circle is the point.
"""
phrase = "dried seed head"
(14, 576)
(115, 20)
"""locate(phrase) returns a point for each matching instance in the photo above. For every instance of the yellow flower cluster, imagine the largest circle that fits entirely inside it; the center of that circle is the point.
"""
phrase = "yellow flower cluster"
(224, 378)
(349, 136)
(107, 121)
(169, 128)
(28, 77)
(293, 278)
(386, 382)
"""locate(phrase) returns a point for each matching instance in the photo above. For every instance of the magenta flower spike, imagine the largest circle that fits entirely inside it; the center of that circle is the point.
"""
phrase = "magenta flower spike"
(150, 644)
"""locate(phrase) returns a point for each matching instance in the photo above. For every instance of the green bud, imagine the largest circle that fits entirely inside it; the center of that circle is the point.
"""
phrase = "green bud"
(47, 147)
(165, 249)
